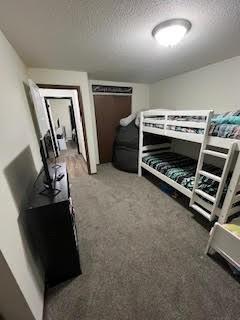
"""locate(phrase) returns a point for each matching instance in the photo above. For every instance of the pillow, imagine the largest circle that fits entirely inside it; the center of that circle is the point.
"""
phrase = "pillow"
(125, 121)
(227, 118)
(137, 120)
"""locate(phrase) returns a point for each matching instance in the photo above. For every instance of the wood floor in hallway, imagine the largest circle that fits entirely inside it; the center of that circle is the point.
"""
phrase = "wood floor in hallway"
(76, 165)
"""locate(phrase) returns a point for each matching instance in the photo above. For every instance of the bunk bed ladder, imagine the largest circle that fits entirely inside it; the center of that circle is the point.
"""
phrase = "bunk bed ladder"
(198, 203)
(199, 167)
(231, 204)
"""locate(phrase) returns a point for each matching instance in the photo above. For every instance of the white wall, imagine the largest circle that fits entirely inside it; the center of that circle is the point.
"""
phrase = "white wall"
(12, 302)
(19, 164)
(213, 87)
(140, 101)
(61, 77)
(60, 110)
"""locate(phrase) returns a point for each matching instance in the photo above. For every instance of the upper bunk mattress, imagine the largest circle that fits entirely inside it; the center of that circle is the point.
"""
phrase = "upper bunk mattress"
(224, 125)
(182, 170)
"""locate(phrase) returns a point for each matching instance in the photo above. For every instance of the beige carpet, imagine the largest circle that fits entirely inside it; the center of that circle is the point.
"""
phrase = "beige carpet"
(142, 257)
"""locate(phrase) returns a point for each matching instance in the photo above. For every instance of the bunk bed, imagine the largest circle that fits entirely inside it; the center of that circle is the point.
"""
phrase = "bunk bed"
(214, 192)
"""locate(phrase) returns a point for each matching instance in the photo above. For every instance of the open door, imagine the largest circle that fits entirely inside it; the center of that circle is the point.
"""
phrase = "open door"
(79, 128)
(39, 107)
(41, 111)
(52, 127)
(73, 125)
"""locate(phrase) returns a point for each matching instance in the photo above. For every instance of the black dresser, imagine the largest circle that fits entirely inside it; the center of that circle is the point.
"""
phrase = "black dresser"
(51, 228)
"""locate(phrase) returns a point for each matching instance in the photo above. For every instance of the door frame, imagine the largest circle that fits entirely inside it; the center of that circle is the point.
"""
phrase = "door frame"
(76, 88)
(50, 118)
(74, 116)
(53, 133)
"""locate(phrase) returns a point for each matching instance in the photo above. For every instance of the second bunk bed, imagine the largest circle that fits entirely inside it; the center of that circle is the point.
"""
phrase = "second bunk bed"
(214, 191)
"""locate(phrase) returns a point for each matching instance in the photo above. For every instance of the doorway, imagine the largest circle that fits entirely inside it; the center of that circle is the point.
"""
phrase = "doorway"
(62, 119)
(67, 126)
(109, 110)
(62, 123)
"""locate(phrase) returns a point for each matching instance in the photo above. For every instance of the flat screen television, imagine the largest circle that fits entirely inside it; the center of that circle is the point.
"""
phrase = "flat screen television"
(49, 161)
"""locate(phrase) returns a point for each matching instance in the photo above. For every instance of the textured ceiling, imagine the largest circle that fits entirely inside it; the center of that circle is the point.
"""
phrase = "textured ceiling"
(111, 39)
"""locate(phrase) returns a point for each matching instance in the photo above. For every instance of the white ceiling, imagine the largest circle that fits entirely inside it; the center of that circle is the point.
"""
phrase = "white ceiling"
(111, 39)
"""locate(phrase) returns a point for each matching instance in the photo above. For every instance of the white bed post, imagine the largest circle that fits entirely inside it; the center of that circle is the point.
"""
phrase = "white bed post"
(231, 192)
(211, 234)
(140, 145)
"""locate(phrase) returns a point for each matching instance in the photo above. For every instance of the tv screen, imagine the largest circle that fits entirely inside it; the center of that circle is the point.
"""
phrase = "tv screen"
(49, 148)
(48, 159)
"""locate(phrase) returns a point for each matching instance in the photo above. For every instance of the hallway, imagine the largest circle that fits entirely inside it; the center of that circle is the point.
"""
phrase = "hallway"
(76, 165)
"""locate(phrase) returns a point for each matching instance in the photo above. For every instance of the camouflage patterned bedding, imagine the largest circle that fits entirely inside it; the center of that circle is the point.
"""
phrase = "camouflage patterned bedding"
(182, 170)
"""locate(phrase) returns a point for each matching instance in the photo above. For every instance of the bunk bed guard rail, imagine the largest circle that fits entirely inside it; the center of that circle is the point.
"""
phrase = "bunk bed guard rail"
(188, 125)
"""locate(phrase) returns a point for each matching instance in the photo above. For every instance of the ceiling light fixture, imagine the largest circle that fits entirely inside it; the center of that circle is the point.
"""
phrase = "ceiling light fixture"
(169, 33)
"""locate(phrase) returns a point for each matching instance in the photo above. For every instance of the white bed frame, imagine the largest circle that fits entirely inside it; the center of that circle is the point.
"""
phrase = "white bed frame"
(229, 147)
(226, 243)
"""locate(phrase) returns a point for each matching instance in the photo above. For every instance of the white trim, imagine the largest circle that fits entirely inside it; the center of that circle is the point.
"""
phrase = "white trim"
(206, 205)
(194, 137)
(186, 124)
(156, 112)
(186, 113)
(224, 143)
(205, 195)
(231, 193)
(200, 210)
(224, 176)
(215, 153)
(72, 94)
(154, 121)
(210, 175)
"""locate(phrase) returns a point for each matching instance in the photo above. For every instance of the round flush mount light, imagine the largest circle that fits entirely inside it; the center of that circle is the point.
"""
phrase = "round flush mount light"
(169, 33)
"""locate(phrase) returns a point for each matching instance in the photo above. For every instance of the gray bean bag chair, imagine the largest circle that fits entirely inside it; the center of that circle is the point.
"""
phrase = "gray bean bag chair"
(125, 150)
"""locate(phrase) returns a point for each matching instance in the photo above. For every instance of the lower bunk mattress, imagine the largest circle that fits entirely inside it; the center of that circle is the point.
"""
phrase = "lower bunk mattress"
(182, 170)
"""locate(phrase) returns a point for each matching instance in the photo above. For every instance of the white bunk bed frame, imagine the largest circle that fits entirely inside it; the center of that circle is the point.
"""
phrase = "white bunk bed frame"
(226, 243)
(210, 208)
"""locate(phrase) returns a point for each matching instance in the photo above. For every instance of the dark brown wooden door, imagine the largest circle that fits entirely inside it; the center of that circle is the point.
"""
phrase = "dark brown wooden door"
(109, 110)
